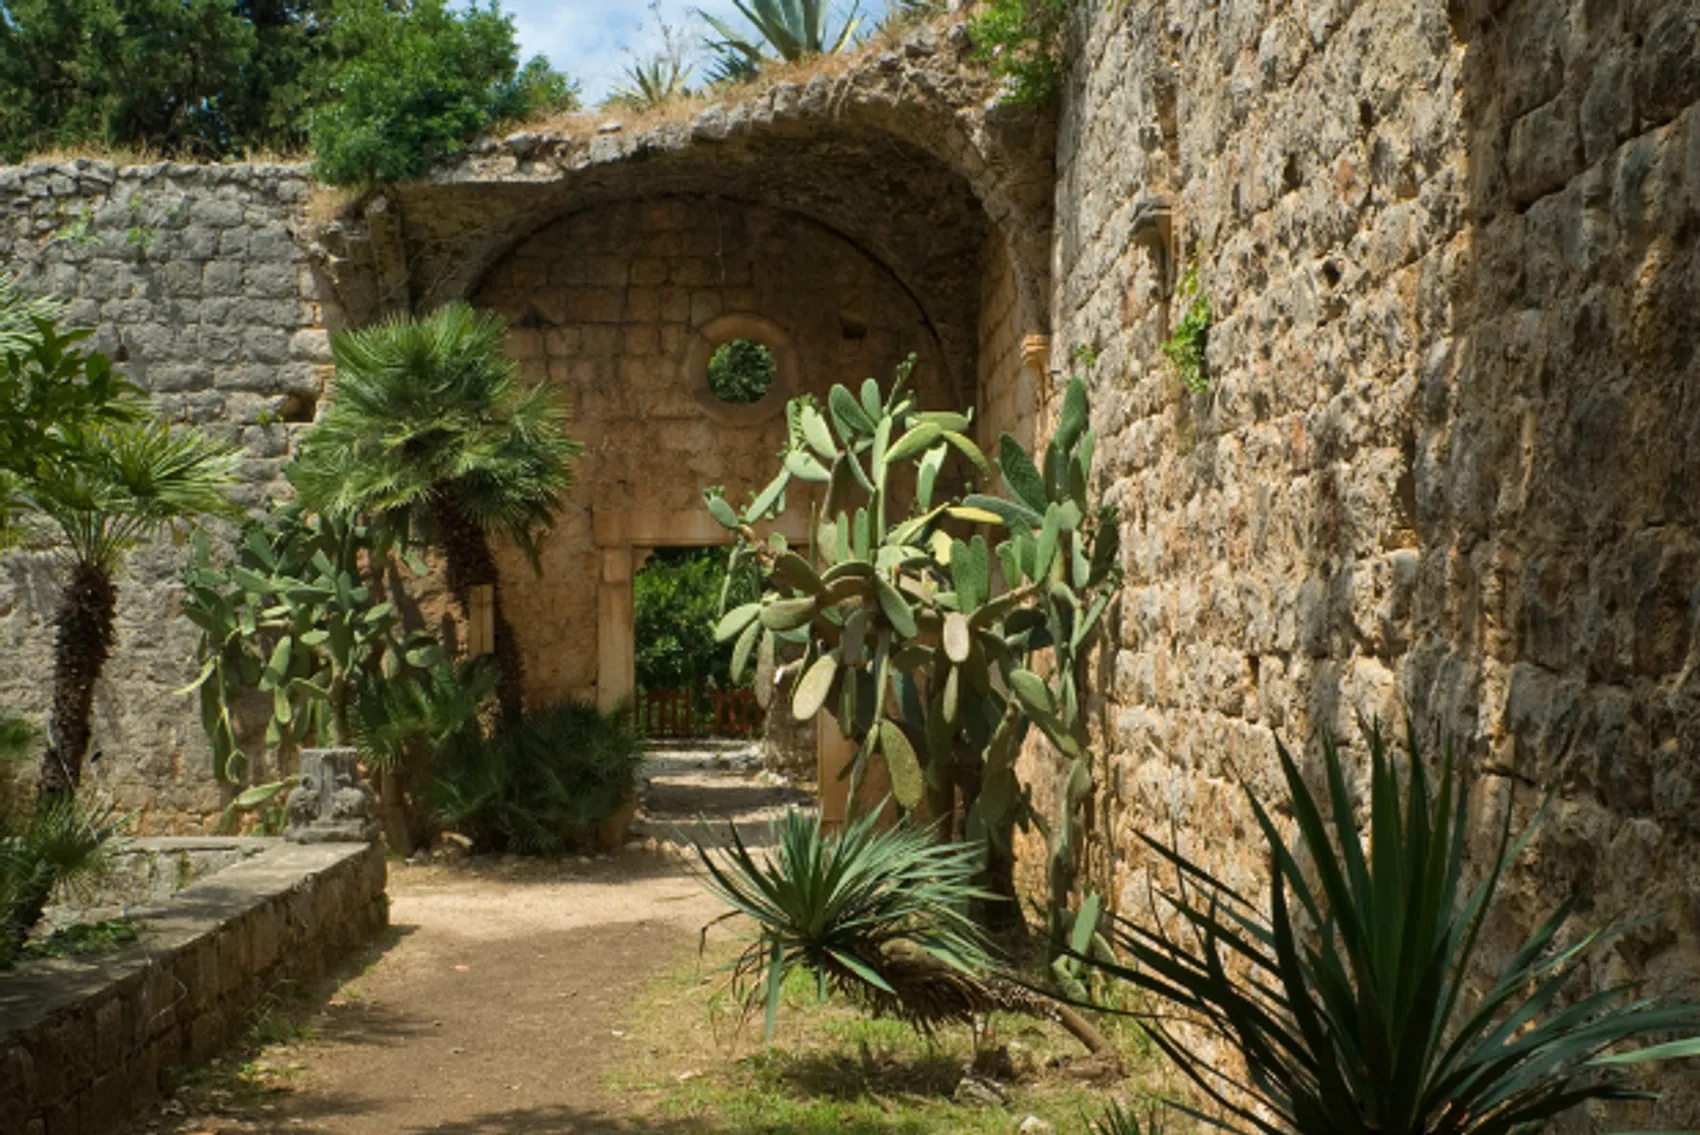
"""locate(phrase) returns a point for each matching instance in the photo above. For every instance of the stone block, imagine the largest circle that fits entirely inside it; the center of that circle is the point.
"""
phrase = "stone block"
(649, 272)
(271, 281)
(1545, 151)
(110, 1035)
(312, 345)
(216, 213)
(595, 305)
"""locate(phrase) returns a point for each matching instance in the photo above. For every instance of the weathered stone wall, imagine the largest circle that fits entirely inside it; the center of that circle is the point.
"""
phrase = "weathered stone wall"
(610, 305)
(85, 1043)
(1445, 465)
(1008, 390)
(198, 287)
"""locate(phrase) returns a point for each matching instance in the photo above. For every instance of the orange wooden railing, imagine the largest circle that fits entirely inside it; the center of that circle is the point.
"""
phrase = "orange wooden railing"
(676, 713)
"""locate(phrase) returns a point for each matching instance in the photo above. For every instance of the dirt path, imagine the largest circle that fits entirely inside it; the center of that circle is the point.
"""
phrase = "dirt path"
(494, 1005)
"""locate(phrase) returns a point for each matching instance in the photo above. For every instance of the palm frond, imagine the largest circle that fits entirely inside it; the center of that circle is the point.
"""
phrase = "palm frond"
(123, 485)
(427, 406)
(22, 314)
(1348, 1011)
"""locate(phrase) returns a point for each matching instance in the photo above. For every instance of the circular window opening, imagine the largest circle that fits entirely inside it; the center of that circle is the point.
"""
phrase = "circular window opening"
(740, 371)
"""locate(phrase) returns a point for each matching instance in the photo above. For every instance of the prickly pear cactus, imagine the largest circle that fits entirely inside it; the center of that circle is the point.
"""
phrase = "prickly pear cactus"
(921, 623)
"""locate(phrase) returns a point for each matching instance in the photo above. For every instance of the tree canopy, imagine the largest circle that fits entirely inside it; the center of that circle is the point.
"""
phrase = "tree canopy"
(227, 78)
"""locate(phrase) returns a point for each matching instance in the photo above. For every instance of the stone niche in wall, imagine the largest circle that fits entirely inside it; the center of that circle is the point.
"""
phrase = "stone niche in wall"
(618, 308)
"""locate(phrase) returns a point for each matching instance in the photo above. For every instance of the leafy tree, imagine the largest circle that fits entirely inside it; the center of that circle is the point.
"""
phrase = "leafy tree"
(418, 82)
(787, 30)
(675, 599)
(430, 432)
(120, 487)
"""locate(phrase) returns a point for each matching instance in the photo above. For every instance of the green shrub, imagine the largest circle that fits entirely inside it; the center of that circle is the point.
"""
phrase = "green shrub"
(1022, 42)
(675, 601)
(417, 82)
(542, 785)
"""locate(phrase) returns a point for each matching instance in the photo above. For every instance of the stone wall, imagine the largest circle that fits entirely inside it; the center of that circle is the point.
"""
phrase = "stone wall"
(616, 307)
(85, 1043)
(197, 283)
(1445, 465)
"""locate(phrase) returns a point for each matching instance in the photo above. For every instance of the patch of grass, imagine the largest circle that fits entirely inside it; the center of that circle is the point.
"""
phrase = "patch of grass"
(85, 939)
(834, 1071)
(283, 1016)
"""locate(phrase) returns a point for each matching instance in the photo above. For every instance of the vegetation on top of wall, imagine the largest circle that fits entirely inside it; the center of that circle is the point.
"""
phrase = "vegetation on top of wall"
(1186, 346)
(787, 30)
(423, 80)
(208, 79)
(1021, 41)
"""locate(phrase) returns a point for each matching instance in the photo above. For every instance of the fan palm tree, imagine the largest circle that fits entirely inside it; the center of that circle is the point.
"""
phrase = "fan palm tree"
(119, 487)
(785, 29)
(430, 430)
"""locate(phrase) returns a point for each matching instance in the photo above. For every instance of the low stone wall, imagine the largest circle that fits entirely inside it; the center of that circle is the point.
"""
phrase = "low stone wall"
(84, 1043)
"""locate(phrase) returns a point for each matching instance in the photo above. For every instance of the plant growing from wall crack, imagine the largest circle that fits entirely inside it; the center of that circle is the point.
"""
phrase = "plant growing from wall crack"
(1186, 346)
(1021, 41)
(919, 636)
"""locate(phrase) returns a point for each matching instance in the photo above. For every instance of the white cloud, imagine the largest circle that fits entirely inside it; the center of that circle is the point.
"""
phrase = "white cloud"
(592, 40)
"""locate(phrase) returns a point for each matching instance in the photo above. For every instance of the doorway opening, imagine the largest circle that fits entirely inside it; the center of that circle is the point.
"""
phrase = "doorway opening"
(684, 684)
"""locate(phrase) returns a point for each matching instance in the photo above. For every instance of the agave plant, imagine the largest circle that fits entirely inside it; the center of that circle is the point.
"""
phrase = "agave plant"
(1352, 1017)
(654, 79)
(880, 916)
(785, 29)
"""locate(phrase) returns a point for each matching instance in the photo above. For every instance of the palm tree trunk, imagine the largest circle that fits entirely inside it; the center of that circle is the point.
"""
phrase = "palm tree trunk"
(80, 649)
(470, 563)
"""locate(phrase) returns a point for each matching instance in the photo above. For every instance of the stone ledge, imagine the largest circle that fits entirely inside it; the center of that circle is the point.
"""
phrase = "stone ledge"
(85, 1043)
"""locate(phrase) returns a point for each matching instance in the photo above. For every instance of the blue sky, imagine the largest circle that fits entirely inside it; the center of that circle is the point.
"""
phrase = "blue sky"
(592, 39)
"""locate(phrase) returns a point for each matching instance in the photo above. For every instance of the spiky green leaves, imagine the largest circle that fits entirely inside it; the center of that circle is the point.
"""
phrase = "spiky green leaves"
(430, 408)
(842, 906)
(1355, 1016)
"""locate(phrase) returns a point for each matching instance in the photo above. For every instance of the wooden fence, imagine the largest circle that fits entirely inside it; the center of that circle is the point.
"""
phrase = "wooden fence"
(682, 713)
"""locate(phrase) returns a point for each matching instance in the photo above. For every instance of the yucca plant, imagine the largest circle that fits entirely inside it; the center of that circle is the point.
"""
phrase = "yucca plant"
(880, 916)
(1120, 1120)
(788, 30)
(654, 79)
(118, 488)
(430, 431)
(60, 843)
(1352, 1016)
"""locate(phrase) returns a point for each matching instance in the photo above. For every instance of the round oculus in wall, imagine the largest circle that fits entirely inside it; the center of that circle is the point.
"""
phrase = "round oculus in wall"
(741, 371)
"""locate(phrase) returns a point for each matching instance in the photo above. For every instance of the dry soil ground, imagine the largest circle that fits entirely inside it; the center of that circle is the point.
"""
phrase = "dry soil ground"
(494, 1004)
